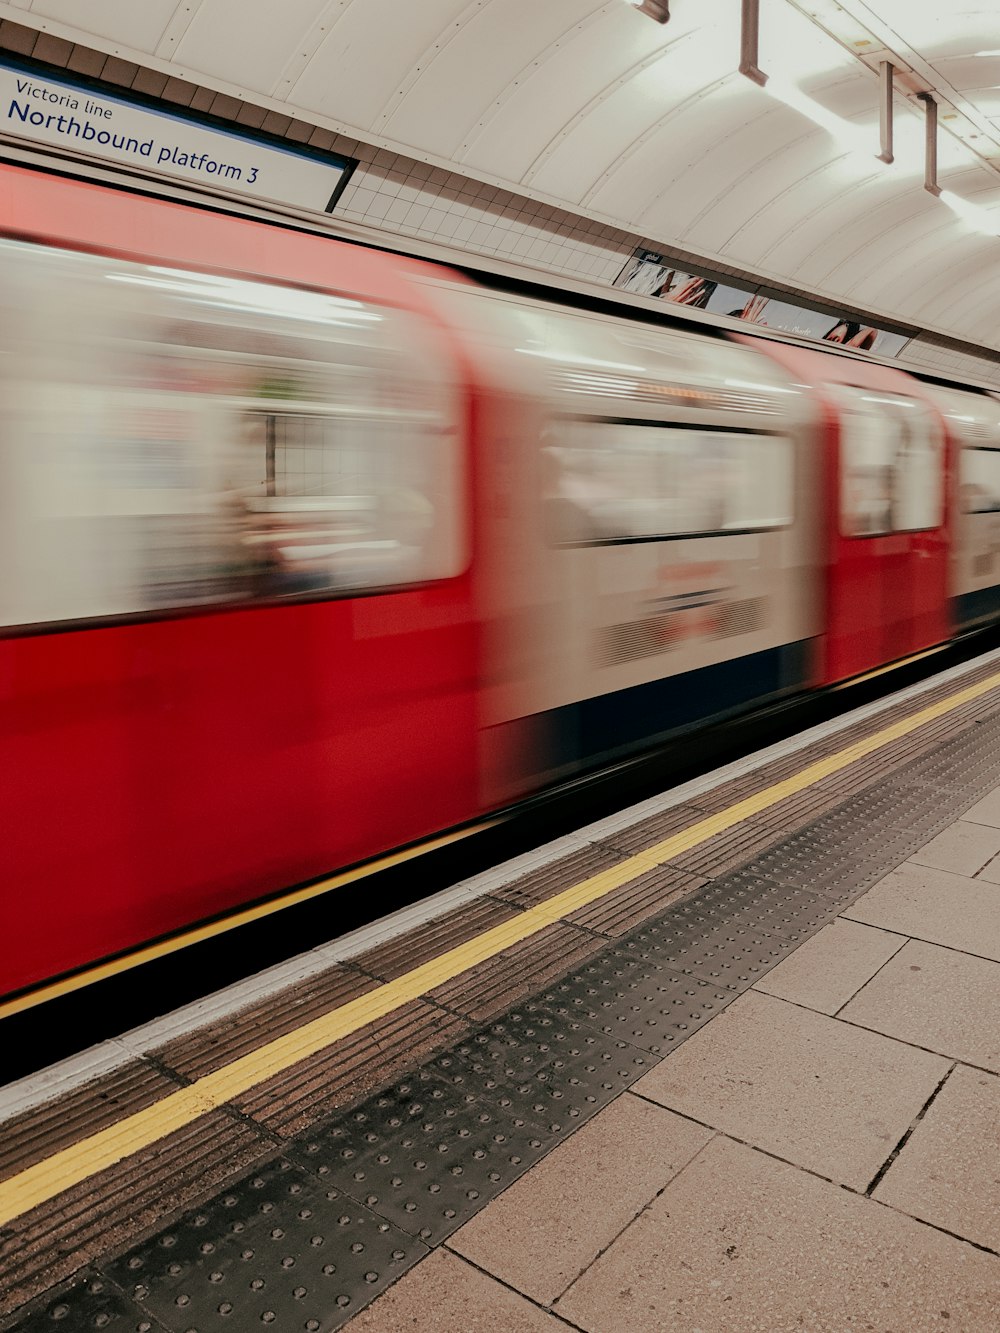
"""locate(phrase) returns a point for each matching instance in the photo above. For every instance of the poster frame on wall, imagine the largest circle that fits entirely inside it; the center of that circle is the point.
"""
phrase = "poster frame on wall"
(654, 273)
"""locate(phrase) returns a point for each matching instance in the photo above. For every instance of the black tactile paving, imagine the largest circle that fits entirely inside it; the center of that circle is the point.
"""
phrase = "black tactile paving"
(277, 1249)
(654, 1012)
(89, 1302)
(423, 1153)
(748, 899)
(310, 1239)
(582, 1070)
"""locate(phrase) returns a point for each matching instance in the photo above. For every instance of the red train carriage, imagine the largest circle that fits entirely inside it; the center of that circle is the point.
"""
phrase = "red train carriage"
(308, 552)
(243, 594)
(886, 510)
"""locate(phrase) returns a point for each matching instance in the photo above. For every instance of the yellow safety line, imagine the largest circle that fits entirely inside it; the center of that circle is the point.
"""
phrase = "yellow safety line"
(149, 952)
(70, 1166)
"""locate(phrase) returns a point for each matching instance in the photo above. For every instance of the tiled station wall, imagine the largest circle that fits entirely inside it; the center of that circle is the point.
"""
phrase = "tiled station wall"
(939, 358)
(413, 199)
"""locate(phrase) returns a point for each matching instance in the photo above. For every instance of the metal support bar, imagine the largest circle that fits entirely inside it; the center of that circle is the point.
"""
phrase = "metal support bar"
(654, 9)
(750, 41)
(886, 71)
(930, 143)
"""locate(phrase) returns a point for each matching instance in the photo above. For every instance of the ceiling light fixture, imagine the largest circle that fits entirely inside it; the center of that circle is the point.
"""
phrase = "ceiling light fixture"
(978, 218)
(851, 138)
(654, 9)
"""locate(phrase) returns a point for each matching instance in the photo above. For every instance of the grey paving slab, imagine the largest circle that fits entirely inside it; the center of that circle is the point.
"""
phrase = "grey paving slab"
(986, 810)
(948, 1172)
(445, 1295)
(964, 848)
(828, 969)
(938, 998)
(542, 1232)
(934, 905)
(991, 871)
(740, 1243)
(820, 1093)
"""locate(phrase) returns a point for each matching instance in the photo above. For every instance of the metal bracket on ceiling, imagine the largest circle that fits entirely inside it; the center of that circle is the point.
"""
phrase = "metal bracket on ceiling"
(750, 42)
(930, 143)
(886, 72)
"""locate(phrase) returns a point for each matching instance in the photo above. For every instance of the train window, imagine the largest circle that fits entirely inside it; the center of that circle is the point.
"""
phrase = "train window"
(171, 438)
(891, 473)
(980, 481)
(608, 481)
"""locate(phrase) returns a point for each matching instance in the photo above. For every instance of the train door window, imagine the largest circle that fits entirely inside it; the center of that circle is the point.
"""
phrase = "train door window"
(917, 471)
(866, 452)
(173, 438)
(609, 481)
(891, 475)
(980, 481)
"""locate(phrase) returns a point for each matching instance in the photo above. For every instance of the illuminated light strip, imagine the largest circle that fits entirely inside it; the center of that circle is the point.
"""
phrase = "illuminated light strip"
(892, 666)
(84, 1159)
(163, 948)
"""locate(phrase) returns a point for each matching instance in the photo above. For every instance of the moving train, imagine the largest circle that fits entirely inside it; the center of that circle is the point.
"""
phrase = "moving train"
(309, 552)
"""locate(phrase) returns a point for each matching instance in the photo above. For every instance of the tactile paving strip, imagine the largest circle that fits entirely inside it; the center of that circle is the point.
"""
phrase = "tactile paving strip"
(423, 1153)
(277, 1249)
(90, 1302)
(313, 1237)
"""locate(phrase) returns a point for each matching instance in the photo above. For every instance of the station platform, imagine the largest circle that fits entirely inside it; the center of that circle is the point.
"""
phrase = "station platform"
(726, 1061)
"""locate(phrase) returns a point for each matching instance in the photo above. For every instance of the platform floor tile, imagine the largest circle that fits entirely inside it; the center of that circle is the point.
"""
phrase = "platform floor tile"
(986, 810)
(741, 1243)
(937, 906)
(947, 1171)
(832, 966)
(580, 1197)
(964, 848)
(446, 1294)
(817, 1092)
(937, 998)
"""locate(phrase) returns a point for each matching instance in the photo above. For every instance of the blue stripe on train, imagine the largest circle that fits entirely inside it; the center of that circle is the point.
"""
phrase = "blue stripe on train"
(971, 607)
(626, 720)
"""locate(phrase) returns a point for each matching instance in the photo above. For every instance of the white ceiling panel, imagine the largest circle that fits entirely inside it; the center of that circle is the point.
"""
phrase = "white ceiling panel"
(220, 41)
(569, 76)
(589, 105)
(369, 51)
(517, 33)
(131, 23)
(808, 223)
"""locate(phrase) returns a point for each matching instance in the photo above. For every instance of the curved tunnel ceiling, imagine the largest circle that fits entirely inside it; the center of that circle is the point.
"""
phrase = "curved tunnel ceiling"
(589, 105)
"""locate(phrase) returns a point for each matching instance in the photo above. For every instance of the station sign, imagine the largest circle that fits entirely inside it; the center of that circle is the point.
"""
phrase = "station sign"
(142, 135)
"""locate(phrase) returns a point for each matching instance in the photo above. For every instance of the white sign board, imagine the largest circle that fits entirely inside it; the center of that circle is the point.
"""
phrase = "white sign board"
(53, 111)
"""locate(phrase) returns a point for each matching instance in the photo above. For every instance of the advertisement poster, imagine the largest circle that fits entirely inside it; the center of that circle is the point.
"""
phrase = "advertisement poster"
(648, 273)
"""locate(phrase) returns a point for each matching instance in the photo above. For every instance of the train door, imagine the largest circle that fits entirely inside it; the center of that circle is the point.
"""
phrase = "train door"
(887, 576)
